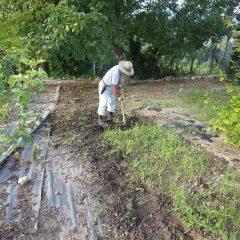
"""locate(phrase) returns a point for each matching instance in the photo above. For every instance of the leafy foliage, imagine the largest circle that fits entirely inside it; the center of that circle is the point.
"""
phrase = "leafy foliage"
(228, 120)
(176, 31)
(16, 92)
(70, 34)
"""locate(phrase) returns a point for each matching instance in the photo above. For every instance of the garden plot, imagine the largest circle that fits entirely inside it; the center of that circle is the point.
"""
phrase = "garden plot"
(107, 176)
(83, 187)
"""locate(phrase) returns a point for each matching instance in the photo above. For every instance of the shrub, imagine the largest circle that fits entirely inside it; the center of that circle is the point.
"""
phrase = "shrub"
(228, 118)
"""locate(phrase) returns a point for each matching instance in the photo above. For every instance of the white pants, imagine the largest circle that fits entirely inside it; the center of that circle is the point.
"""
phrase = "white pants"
(106, 100)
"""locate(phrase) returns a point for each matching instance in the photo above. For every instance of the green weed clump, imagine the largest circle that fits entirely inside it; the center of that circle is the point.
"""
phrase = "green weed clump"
(220, 107)
(205, 103)
(160, 157)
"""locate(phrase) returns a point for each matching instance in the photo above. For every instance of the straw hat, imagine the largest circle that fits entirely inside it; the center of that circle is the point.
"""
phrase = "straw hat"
(126, 67)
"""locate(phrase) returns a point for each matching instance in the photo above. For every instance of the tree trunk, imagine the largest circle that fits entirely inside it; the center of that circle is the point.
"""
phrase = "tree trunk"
(56, 2)
(171, 62)
(181, 66)
(45, 67)
(211, 65)
(225, 50)
(121, 56)
(191, 65)
(212, 56)
(119, 52)
(2, 53)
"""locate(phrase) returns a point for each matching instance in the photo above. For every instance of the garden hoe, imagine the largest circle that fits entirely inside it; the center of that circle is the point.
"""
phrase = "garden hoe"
(124, 120)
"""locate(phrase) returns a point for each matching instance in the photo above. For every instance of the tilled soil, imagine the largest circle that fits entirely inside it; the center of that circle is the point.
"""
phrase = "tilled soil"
(128, 209)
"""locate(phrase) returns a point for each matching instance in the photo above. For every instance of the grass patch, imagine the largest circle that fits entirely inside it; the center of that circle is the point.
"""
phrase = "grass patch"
(204, 103)
(203, 192)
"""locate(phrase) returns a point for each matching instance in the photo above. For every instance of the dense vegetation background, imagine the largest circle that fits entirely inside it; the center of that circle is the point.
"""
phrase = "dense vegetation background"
(161, 37)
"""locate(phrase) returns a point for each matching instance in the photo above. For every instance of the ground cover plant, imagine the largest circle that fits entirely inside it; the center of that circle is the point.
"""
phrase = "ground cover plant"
(227, 120)
(203, 190)
(204, 104)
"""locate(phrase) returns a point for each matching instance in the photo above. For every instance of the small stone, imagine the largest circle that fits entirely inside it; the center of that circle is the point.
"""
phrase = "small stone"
(58, 193)
(5, 204)
(180, 90)
(231, 164)
(23, 180)
(74, 229)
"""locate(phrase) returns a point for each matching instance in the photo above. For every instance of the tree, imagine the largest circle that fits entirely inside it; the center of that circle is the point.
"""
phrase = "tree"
(70, 34)
(176, 31)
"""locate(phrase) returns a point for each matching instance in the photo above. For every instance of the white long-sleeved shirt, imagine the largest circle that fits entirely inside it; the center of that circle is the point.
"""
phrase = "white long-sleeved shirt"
(113, 76)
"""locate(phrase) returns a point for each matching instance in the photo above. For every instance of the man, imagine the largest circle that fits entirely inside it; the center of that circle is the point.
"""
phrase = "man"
(109, 88)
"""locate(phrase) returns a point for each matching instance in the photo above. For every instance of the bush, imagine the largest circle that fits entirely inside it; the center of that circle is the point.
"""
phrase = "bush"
(16, 92)
(228, 120)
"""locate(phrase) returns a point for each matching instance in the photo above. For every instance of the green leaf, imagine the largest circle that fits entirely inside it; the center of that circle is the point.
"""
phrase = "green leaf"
(12, 82)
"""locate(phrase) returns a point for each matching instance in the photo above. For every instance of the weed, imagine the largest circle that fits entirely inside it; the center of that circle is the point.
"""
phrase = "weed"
(100, 214)
(129, 211)
(99, 198)
(203, 103)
